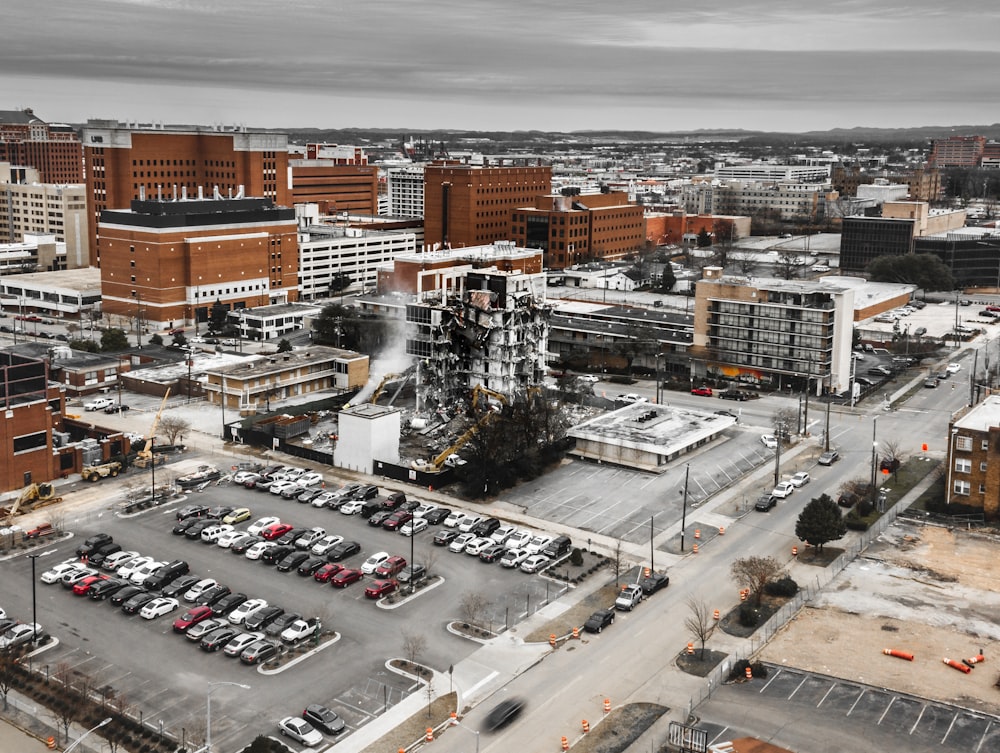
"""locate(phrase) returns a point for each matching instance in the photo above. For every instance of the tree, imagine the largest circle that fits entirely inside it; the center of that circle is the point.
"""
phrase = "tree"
(173, 428)
(414, 645)
(346, 328)
(87, 345)
(113, 339)
(339, 282)
(786, 267)
(704, 238)
(284, 346)
(754, 573)
(700, 623)
(745, 261)
(8, 671)
(783, 420)
(179, 340)
(156, 339)
(472, 607)
(926, 271)
(819, 522)
(667, 279)
(217, 317)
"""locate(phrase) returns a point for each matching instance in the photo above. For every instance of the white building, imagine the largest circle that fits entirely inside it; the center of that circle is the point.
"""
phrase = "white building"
(768, 172)
(405, 187)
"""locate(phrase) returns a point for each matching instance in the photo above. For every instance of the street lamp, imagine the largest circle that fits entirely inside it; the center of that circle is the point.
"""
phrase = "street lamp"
(874, 456)
(456, 723)
(208, 710)
(34, 612)
(80, 739)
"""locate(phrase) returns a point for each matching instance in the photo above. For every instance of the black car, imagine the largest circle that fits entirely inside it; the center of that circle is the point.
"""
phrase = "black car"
(105, 589)
(415, 572)
(241, 546)
(218, 638)
(93, 543)
(436, 517)
(765, 502)
(134, 603)
(379, 517)
(102, 552)
(219, 511)
(486, 527)
(124, 594)
(112, 409)
(259, 652)
(291, 561)
(504, 713)
(343, 550)
(226, 604)
(367, 491)
(290, 537)
(492, 553)
(179, 586)
(323, 719)
(654, 582)
(166, 574)
(183, 525)
(279, 623)
(443, 538)
(733, 395)
(194, 532)
(213, 594)
(192, 511)
(309, 494)
(311, 565)
(599, 620)
(261, 619)
(275, 554)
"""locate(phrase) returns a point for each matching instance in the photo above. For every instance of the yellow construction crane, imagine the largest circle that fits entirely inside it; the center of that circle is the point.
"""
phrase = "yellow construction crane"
(437, 463)
(145, 455)
(29, 495)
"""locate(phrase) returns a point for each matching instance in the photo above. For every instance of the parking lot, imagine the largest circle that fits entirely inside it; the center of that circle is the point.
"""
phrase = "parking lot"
(166, 676)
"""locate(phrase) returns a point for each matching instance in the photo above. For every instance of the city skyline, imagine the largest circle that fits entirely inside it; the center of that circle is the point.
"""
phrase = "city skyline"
(760, 65)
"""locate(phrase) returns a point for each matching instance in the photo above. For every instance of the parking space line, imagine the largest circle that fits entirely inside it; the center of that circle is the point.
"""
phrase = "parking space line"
(954, 718)
(797, 687)
(919, 717)
(891, 701)
(772, 679)
(829, 690)
(982, 740)
(856, 700)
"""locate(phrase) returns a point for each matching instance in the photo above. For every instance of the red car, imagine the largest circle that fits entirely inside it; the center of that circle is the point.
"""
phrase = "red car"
(394, 521)
(82, 588)
(326, 572)
(346, 577)
(390, 567)
(192, 617)
(703, 391)
(380, 588)
(276, 531)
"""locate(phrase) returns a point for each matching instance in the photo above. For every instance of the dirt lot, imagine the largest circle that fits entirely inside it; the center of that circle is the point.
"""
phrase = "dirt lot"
(922, 589)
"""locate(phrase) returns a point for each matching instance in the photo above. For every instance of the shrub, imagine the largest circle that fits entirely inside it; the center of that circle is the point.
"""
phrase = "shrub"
(855, 523)
(576, 557)
(865, 508)
(749, 615)
(782, 587)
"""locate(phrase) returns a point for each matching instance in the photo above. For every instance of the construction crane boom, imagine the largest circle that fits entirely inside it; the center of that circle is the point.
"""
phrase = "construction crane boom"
(439, 461)
(146, 453)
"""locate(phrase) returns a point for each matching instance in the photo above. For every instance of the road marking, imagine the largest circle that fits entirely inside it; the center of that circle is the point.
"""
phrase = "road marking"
(773, 677)
(474, 688)
(921, 716)
(886, 710)
(856, 702)
(832, 686)
(797, 687)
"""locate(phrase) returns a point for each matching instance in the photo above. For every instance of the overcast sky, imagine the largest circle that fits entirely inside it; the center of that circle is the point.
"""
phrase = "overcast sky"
(522, 64)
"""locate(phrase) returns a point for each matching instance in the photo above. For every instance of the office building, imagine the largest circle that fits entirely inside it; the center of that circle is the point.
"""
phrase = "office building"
(53, 150)
(973, 473)
(334, 187)
(29, 207)
(768, 173)
(957, 151)
(922, 184)
(571, 229)
(467, 205)
(33, 407)
(167, 263)
(405, 189)
(864, 239)
(125, 163)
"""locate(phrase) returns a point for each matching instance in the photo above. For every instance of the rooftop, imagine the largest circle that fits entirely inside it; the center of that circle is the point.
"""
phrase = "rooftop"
(84, 280)
(982, 417)
(494, 251)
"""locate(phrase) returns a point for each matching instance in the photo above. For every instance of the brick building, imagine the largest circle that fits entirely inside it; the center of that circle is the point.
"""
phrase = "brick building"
(570, 229)
(957, 151)
(670, 228)
(974, 457)
(168, 262)
(124, 164)
(33, 406)
(334, 187)
(466, 205)
(30, 207)
(53, 150)
(422, 272)
(923, 184)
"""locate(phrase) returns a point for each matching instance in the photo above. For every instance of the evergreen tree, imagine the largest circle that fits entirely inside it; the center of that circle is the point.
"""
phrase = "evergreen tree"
(819, 522)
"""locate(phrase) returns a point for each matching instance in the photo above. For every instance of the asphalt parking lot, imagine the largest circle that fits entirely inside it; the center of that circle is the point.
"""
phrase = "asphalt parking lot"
(863, 712)
(167, 676)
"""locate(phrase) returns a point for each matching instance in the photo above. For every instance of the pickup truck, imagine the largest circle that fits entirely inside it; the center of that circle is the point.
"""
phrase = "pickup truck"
(99, 403)
(628, 598)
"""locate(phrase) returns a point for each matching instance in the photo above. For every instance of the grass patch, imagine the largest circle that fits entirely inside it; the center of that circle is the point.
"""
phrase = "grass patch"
(695, 664)
(769, 606)
(897, 485)
(414, 728)
(575, 616)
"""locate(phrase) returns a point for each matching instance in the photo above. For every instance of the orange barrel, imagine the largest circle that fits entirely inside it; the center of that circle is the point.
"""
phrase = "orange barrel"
(749, 673)
(429, 737)
(715, 614)
(607, 705)
(552, 640)
(586, 726)
(690, 649)
(957, 665)
(565, 743)
(898, 654)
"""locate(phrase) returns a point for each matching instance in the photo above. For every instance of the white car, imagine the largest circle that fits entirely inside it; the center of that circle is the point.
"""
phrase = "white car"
(194, 593)
(534, 563)
(158, 607)
(300, 730)
(416, 525)
(468, 522)
(324, 545)
(211, 534)
(537, 544)
(501, 534)
(310, 537)
(129, 568)
(514, 557)
(518, 540)
(310, 479)
(226, 539)
(953, 368)
(119, 559)
(279, 486)
(290, 474)
(260, 524)
(19, 634)
(461, 541)
(322, 500)
(300, 629)
(455, 518)
(782, 490)
(55, 574)
(423, 508)
(247, 608)
(769, 441)
(799, 479)
(369, 565)
(239, 642)
(141, 575)
(351, 507)
(241, 477)
(99, 403)
(476, 546)
(257, 550)
(591, 378)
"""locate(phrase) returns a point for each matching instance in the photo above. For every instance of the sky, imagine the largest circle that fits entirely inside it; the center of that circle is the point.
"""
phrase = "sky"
(778, 65)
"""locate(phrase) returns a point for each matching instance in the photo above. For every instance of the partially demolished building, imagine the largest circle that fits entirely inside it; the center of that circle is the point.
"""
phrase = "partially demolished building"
(483, 326)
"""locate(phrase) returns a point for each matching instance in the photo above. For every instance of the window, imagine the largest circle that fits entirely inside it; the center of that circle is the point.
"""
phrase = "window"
(982, 466)
(963, 443)
(28, 442)
(963, 465)
(982, 488)
(985, 445)
(963, 488)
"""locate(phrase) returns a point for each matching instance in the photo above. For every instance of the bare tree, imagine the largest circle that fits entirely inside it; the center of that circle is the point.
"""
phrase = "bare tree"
(892, 451)
(787, 265)
(8, 671)
(618, 563)
(699, 622)
(414, 645)
(173, 428)
(754, 573)
(472, 607)
(65, 709)
(744, 261)
(783, 419)
(428, 558)
(116, 732)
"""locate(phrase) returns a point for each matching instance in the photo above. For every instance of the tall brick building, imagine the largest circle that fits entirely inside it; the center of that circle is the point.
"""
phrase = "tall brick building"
(53, 150)
(974, 457)
(124, 164)
(465, 205)
(334, 187)
(957, 151)
(168, 262)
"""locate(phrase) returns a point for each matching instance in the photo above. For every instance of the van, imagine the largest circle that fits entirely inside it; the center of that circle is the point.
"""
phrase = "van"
(370, 507)
(558, 547)
(165, 574)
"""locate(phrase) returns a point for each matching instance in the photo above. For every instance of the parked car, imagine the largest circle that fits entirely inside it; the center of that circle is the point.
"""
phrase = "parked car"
(374, 561)
(765, 502)
(322, 546)
(599, 620)
(769, 441)
(237, 516)
(158, 607)
(445, 537)
(829, 457)
(300, 629)
(98, 403)
(534, 562)
(260, 620)
(392, 566)
(653, 583)
(259, 652)
(300, 730)
(257, 527)
(247, 609)
(513, 558)
(782, 490)
(323, 719)
(437, 516)
(412, 573)
(460, 541)
(343, 550)
(380, 588)
(239, 643)
(702, 391)
(800, 479)
(628, 597)
(733, 395)
(414, 526)
(346, 577)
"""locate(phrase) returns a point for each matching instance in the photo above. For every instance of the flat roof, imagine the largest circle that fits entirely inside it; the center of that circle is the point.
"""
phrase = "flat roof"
(367, 410)
(982, 417)
(665, 430)
(85, 279)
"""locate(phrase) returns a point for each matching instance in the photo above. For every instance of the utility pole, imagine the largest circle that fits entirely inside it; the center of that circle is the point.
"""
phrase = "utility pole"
(684, 508)
(805, 419)
(777, 453)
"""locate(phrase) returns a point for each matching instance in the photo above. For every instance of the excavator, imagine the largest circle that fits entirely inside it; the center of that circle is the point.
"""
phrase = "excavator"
(30, 495)
(145, 456)
(435, 465)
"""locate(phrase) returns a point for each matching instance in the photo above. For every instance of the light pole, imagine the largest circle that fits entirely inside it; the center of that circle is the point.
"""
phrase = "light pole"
(684, 507)
(34, 612)
(874, 456)
(208, 710)
(456, 723)
(81, 738)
